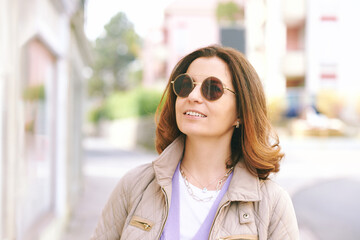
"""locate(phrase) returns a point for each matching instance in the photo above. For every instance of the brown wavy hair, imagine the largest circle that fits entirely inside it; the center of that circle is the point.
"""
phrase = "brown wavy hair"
(254, 142)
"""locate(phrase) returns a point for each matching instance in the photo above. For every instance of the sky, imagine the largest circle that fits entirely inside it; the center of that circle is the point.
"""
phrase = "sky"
(144, 14)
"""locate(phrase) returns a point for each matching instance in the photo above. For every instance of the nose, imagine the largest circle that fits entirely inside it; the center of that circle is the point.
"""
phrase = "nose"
(195, 95)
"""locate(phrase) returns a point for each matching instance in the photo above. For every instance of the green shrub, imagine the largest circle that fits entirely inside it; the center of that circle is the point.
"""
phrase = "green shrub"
(148, 100)
(121, 105)
(138, 102)
(96, 114)
(34, 93)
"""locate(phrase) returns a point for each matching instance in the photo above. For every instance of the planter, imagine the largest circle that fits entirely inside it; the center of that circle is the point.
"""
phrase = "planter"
(130, 133)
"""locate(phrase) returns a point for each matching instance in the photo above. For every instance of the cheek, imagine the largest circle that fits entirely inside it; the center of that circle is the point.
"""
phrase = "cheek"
(226, 113)
(177, 108)
(178, 113)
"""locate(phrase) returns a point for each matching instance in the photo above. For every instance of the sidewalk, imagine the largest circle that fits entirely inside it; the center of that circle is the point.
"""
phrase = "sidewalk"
(104, 165)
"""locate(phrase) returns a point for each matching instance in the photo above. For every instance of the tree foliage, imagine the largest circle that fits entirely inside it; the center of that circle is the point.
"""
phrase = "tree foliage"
(229, 12)
(113, 53)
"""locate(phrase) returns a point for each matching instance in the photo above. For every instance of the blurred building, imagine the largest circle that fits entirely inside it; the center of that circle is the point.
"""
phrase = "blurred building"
(319, 64)
(294, 59)
(188, 25)
(332, 49)
(265, 43)
(304, 51)
(154, 58)
(43, 57)
(256, 29)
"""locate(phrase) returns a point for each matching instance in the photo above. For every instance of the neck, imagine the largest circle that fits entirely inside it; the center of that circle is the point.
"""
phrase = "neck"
(206, 159)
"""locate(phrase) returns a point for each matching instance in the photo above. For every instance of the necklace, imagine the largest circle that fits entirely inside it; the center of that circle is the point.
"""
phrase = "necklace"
(204, 190)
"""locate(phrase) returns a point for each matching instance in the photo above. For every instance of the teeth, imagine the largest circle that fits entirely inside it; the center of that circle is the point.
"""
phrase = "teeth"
(194, 114)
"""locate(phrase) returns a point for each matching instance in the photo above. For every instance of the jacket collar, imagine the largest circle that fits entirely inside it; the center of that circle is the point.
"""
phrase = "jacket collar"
(165, 165)
(243, 186)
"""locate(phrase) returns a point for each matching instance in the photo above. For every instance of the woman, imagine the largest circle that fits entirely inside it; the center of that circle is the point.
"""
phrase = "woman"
(217, 150)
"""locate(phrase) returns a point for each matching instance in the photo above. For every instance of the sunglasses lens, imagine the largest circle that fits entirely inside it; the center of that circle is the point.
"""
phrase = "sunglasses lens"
(183, 85)
(212, 89)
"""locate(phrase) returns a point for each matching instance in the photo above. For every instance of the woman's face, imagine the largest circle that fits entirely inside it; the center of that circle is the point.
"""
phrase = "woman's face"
(195, 115)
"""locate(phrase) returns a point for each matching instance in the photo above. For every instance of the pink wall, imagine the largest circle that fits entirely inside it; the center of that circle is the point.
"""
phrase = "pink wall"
(187, 27)
(40, 61)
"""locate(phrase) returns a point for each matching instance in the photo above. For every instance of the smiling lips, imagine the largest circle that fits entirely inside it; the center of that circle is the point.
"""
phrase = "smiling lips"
(195, 114)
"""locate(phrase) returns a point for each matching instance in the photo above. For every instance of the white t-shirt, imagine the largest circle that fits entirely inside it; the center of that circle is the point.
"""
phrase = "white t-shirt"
(193, 212)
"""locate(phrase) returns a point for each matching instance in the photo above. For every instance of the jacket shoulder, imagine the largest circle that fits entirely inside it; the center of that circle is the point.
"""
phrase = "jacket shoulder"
(280, 211)
(274, 196)
(271, 189)
(132, 184)
(144, 170)
(121, 200)
(137, 179)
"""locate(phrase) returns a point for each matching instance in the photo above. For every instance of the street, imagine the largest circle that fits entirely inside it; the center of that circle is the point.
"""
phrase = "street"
(321, 175)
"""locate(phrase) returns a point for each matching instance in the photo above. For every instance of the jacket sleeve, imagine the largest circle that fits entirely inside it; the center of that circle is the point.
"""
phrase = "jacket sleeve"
(114, 215)
(283, 223)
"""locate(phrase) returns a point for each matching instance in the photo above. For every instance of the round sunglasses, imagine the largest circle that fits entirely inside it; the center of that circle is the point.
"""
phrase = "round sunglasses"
(211, 88)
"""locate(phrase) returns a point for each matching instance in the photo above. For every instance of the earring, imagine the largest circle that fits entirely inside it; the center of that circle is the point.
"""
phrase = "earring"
(237, 124)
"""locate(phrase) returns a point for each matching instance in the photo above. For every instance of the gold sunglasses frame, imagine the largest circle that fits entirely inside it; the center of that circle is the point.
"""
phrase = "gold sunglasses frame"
(196, 83)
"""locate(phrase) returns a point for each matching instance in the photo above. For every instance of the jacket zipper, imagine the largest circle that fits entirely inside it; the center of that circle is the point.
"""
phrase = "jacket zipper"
(167, 211)
(146, 226)
(216, 215)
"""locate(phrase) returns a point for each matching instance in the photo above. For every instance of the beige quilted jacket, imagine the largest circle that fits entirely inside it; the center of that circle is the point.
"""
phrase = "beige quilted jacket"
(251, 208)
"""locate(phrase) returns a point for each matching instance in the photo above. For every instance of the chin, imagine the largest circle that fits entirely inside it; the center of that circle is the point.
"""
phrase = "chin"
(205, 133)
(197, 133)
(192, 132)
